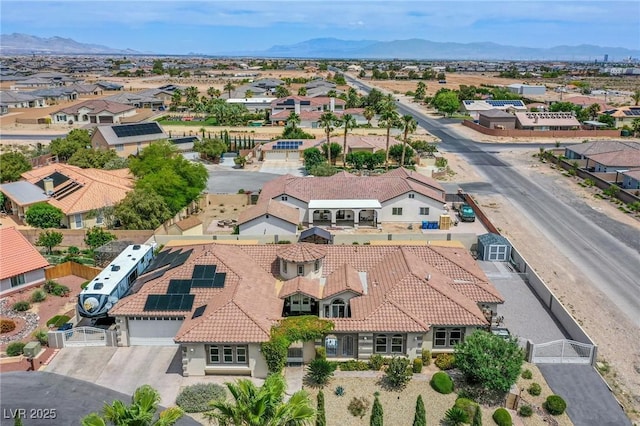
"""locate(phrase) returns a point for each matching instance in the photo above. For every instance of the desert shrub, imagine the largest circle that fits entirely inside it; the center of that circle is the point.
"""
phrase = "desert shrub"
(526, 411)
(321, 352)
(358, 407)
(38, 296)
(442, 383)
(60, 290)
(84, 284)
(57, 320)
(376, 362)
(426, 357)
(196, 398)
(527, 374)
(21, 306)
(398, 372)
(417, 365)
(502, 417)
(7, 326)
(320, 371)
(534, 389)
(555, 405)
(339, 391)
(445, 361)
(42, 336)
(49, 286)
(15, 348)
(468, 406)
(455, 416)
(354, 365)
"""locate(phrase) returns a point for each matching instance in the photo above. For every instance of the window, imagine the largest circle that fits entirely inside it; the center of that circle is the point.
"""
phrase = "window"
(100, 218)
(447, 337)
(381, 344)
(284, 267)
(214, 355)
(300, 270)
(396, 344)
(241, 354)
(396, 211)
(77, 218)
(385, 344)
(17, 280)
(347, 346)
(284, 198)
(331, 345)
(412, 195)
(228, 354)
(316, 266)
(338, 309)
(119, 147)
(424, 211)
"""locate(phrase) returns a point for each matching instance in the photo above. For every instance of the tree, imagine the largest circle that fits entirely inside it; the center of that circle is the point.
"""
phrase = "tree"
(323, 169)
(302, 91)
(293, 120)
(176, 98)
(321, 416)
(211, 149)
(376, 413)
(421, 91)
(248, 94)
(142, 209)
(420, 418)
(331, 154)
(636, 96)
(97, 237)
(229, 87)
(44, 215)
(409, 125)
(398, 372)
(64, 148)
(327, 121)
(282, 92)
(349, 122)
(396, 152)
(312, 157)
(49, 239)
(635, 126)
(213, 92)
(388, 118)
(141, 411)
(358, 159)
(446, 101)
(489, 360)
(320, 371)
(12, 165)
(369, 113)
(262, 406)
(477, 417)
(92, 158)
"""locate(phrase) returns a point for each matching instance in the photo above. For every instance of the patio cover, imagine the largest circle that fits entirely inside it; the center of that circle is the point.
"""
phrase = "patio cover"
(23, 193)
(344, 204)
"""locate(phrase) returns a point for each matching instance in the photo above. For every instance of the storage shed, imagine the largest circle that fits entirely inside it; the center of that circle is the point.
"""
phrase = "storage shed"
(494, 248)
(316, 235)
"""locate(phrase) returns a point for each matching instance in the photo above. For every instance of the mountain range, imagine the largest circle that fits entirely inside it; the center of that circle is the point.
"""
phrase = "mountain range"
(12, 44)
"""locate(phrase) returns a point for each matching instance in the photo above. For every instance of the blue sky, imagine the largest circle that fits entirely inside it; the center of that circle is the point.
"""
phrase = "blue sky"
(211, 27)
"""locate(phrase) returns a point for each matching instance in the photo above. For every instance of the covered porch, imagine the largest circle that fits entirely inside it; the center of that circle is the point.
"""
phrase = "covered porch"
(349, 213)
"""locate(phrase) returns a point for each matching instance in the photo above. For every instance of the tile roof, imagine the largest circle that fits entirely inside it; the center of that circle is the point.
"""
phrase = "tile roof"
(599, 147)
(543, 119)
(188, 223)
(626, 158)
(17, 254)
(301, 285)
(344, 278)
(275, 208)
(97, 188)
(302, 252)
(96, 106)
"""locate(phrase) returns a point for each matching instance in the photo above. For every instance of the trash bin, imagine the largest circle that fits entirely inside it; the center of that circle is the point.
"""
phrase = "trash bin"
(425, 224)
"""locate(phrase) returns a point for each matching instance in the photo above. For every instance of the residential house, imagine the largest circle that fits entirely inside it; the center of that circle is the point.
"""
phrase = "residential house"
(527, 89)
(631, 179)
(615, 161)
(474, 107)
(582, 151)
(56, 94)
(282, 108)
(107, 85)
(94, 111)
(151, 98)
(624, 116)
(219, 302)
(544, 121)
(12, 100)
(22, 264)
(497, 119)
(269, 218)
(79, 193)
(253, 104)
(127, 139)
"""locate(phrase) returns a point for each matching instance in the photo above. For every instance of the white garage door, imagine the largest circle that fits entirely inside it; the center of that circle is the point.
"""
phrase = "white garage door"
(153, 332)
(276, 155)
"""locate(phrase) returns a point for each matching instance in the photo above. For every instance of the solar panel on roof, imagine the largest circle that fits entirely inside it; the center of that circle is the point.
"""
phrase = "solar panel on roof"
(180, 259)
(151, 303)
(199, 311)
(199, 271)
(136, 129)
(169, 302)
(210, 272)
(202, 283)
(179, 287)
(57, 177)
(218, 281)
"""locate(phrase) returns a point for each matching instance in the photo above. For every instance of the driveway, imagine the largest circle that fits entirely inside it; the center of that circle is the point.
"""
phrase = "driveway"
(294, 168)
(226, 180)
(589, 400)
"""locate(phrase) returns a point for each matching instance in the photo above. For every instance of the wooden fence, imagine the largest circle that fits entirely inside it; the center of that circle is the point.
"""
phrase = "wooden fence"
(71, 268)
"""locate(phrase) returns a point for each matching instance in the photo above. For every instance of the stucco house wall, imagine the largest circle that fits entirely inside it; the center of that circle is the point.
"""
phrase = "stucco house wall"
(411, 209)
(31, 278)
(268, 225)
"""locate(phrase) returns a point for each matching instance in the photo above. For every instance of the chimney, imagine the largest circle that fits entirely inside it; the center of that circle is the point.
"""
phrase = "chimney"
(332, 104)
(296, 106)
(48, 185)
(428, 277)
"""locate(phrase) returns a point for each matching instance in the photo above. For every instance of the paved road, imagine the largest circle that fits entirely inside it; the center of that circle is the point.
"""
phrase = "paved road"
(31, 137)
(605, 250)
(589, 401)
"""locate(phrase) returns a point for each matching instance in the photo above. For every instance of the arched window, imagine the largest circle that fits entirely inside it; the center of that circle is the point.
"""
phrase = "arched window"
(331, 345)
(338, 309)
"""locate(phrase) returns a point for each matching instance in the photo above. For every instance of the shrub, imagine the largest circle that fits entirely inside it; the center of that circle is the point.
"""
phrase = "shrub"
(21, 306)
(526, 411)
(442, 383)
(502, 417)
(417, 365)
(321, 415)
(376, 362)
(84, 284)
(60, 290)
(534, 389)
(321, 352)
(196, 398)
(339, 391)
(38, 296)
(445, 361)
(468, 406)
(455, 417)
(377, 413)
(15, 348)
(358, 407)
(555, 405)
(57, 321)
(527, 374)
(42, 336)
(320, 371)
(420, 417)
(7, 326)
(354, 365)
(49, 286)
(398, 372)
(426, 357)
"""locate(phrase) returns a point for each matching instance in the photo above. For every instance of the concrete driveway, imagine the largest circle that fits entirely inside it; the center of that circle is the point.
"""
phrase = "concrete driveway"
(277, 167)
(229, 181)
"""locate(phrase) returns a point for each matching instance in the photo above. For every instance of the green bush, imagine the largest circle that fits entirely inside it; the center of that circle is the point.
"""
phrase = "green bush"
(455, 416)
(42, 336)
(445, 361)
(321, 352)
(468, 406)
(60, 290)
(534, 389)
(376, 362)
(15, 348)
(426, 357)
(525, 411)
(527, 374)
(38, 296)
(49, 286)
(442, 383)
(358, 407)
(555, 405)
(502, 417)
(84, 284)
(354, 365)
(7, 326)
(196, 398)
(398, 372)
(339, 391)
(417, 365)
(57, 321)
(21, 306)
(320, 371)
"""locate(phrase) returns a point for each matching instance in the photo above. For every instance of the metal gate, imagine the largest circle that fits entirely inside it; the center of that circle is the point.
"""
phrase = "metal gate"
(562, 351)
(85, 336)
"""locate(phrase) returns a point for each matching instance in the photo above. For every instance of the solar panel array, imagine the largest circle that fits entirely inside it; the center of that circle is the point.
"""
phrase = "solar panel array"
(505, 103)
(136, 129)
(287, 145)
(632, 112)
(57, 177)
(169, 302)
(179, 287)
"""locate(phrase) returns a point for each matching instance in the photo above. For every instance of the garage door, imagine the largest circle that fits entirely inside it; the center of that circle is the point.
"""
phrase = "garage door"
(276, 155)
(153, 332)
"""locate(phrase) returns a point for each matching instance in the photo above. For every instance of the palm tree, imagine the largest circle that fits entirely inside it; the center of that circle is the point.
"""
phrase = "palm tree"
(349, 122)
(388, 118)
(409, 125)
(213, 92)
(229, 87)
(248, 94)
(636, 96)
(293, 120)
(176, 98)
(369, 113)
(327, 120)
(262, 406)
(140, 412)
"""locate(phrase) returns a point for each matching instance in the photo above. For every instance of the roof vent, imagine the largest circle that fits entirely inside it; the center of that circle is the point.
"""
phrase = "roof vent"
(428, 277)
(97, 286)
(136, 247)
(115, 268)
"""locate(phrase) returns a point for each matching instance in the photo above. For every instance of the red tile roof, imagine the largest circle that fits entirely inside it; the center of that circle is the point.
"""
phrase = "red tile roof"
(301, 285)
(272, 207)
(302, 252)
(17, 254)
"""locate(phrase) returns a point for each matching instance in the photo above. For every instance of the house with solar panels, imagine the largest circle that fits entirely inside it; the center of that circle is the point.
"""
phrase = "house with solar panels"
(127, 139)
(624, 116)
(218, 302)
(473, 107)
